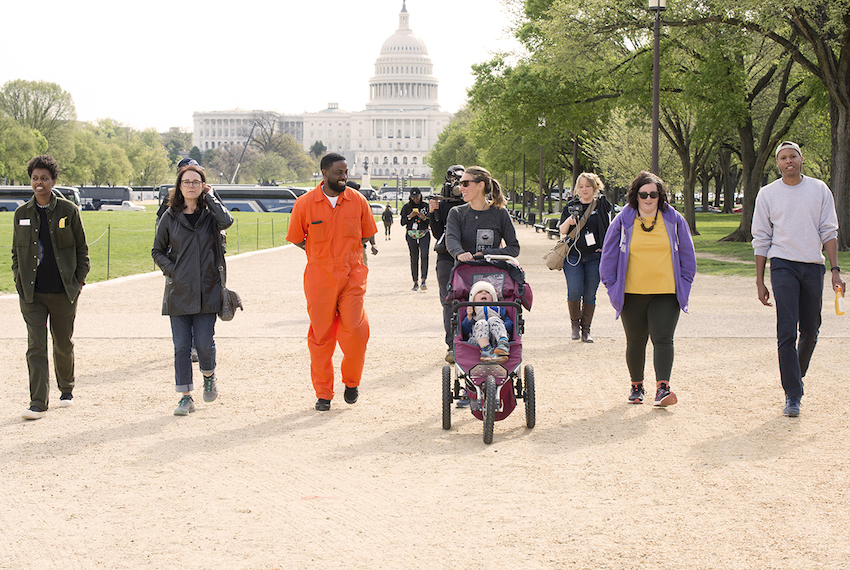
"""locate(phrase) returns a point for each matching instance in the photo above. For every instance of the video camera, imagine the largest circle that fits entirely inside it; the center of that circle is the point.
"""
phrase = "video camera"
(451, 188)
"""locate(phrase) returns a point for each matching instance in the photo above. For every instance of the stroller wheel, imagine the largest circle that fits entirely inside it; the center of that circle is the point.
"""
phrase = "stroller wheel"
(530, 413)
(489, 408)
(447, 397)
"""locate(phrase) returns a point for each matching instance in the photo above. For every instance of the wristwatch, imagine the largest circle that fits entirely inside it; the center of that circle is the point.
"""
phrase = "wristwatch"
(836, 268)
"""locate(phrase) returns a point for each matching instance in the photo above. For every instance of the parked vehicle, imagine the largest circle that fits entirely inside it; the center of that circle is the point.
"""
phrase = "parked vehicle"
(93, 197)
(125, 206)
(13, 196)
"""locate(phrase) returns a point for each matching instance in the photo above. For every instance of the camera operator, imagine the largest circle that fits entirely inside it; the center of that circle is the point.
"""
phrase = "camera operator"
(450, 196)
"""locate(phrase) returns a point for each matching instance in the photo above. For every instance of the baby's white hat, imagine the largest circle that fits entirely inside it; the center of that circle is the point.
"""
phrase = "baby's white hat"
(483, 286)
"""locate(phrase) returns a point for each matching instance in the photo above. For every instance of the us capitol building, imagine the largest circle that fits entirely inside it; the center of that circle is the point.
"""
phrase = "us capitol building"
(399, 126)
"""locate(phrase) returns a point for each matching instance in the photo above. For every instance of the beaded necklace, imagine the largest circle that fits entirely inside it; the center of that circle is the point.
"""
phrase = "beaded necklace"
(654, 221)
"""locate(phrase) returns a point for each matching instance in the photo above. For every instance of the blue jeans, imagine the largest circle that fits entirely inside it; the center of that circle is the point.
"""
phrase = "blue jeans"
(582, 276)
(798, 296)
(184, 328)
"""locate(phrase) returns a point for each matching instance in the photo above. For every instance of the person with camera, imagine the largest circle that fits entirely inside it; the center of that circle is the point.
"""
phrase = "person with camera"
(414, 217)
(648, 271)
(586, 219)
(185, 249)
(439, 209)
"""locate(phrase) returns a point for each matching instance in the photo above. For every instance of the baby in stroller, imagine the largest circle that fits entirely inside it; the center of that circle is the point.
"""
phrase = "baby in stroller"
(487, 327)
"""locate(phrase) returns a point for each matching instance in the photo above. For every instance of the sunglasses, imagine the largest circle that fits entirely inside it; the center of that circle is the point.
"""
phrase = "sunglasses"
(466, 183)
(645, 195)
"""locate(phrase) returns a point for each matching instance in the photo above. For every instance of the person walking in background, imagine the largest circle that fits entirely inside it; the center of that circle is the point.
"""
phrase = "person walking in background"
(387, 218)
(186, 251)
(414, 217)
(648, 265)
(50, 261)
(482, 225)
(581, 267)
(439, 208)
(331, 223)
(793, 223)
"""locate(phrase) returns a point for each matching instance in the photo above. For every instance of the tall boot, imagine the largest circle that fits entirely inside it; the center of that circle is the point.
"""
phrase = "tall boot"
(575, 317)
(586, 319)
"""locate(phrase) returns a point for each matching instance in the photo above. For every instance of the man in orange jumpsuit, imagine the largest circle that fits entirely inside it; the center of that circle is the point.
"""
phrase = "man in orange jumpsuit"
(331, 223)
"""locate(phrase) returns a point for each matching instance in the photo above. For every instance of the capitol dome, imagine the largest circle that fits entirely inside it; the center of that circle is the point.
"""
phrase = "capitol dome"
(403, 72)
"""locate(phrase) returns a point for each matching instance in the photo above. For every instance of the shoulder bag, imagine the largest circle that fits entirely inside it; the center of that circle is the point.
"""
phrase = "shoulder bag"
(230, 299)
(556, 256)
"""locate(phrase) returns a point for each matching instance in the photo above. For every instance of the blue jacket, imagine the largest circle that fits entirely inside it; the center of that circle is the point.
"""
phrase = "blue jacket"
(615, 256)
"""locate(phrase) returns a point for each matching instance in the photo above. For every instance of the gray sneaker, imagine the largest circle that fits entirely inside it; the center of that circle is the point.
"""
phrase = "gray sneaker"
(186, 406)
(210, 389)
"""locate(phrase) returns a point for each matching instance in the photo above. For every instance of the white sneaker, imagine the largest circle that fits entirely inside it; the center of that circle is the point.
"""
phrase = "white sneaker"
(66, 401)
(32, 413)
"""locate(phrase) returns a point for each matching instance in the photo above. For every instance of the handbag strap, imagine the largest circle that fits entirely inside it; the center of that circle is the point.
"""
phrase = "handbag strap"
(581, 223)
(219, 257)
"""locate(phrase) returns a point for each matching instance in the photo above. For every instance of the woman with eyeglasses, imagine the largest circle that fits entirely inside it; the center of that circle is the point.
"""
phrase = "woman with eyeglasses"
(186, 250)
(581, 267)
(648, 265)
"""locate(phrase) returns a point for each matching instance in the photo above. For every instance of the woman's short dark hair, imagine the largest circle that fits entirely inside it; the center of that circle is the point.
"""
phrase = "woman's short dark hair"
(46, 162)
(176, 201)
(642, 179)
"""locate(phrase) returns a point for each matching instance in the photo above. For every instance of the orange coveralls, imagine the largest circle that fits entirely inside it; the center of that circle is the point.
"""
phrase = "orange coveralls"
(334, 282)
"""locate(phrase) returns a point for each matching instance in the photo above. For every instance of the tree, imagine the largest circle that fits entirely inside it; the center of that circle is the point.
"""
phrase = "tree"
(454, 146)
(196, 155)
(270, 168)
(317, 149)
(18, 144)
(176, 141)
(39, 105)
(816, 34)
(226, 158)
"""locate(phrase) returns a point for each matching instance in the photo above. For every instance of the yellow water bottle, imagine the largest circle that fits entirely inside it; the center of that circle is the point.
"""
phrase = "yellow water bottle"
(839, 301)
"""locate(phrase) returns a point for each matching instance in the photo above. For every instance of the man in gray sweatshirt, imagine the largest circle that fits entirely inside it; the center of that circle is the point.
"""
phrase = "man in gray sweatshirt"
(793, 222)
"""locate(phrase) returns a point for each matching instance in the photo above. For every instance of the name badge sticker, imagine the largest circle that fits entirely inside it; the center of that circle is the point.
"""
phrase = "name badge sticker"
(24, 222)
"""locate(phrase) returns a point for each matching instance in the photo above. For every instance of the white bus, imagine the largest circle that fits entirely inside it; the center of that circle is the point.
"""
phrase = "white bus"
(13, 196)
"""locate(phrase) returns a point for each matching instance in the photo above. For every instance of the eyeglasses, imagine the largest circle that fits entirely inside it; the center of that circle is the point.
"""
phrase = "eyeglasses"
(191, 183)
(466, 183)
(645, 195)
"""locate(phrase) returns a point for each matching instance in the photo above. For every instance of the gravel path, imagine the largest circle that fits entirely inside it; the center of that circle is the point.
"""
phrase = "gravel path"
(259, 480)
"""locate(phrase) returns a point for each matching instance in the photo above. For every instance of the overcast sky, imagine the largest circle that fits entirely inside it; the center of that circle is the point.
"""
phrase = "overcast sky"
(153, 63)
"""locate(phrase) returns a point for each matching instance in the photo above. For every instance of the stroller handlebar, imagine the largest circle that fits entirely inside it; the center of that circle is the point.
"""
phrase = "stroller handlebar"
(510, 259)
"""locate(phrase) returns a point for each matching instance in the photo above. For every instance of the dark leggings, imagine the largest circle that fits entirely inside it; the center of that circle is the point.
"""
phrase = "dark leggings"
(645, 317)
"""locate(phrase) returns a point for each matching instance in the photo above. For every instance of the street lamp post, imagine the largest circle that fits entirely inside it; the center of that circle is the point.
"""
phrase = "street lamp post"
(656, 6)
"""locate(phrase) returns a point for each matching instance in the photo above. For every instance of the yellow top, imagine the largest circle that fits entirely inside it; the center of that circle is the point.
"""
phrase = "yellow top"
(650, 270)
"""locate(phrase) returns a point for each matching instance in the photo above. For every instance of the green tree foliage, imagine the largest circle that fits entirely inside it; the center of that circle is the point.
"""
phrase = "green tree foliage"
(271, 168)
(18, 144)
(455, 145)
(816, 34)
(176, 141)
(39, 105)
(317, 149)
(195, 154)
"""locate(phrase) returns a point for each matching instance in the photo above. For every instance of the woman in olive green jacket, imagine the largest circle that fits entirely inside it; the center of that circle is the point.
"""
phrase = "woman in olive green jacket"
(50, 261)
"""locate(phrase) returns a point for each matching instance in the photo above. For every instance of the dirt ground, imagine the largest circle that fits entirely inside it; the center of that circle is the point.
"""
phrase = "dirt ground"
(260, 480)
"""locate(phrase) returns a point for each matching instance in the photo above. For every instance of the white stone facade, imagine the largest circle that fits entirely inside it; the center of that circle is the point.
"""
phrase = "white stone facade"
(393, 134)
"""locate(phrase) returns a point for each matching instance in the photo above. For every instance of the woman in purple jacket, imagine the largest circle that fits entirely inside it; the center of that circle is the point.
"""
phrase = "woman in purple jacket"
(648, 264)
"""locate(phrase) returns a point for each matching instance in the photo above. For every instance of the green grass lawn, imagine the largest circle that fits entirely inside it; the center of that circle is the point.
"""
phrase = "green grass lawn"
(120, 242)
